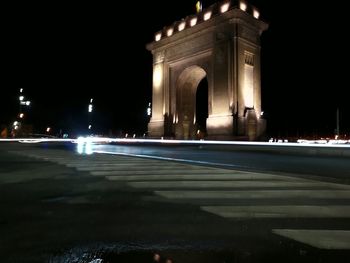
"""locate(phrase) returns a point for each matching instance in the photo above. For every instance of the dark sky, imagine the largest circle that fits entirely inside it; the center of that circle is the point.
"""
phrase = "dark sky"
(63, 54)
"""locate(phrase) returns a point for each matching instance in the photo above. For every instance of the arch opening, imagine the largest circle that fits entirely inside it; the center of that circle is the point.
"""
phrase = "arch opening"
(187, 110)
(201, 108)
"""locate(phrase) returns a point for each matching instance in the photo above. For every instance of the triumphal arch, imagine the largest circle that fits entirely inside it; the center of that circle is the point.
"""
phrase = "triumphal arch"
(221, 45)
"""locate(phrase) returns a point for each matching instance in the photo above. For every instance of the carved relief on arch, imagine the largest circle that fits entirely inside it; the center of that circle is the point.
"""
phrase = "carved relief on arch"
(159, 56)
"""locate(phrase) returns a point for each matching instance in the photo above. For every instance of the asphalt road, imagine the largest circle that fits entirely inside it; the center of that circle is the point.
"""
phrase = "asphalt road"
(60, 206)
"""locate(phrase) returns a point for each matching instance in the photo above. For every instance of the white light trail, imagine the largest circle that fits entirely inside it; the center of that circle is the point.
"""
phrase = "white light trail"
(315, 144)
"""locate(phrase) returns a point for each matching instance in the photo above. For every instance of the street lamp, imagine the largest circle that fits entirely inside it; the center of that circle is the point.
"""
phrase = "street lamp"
(20, 117)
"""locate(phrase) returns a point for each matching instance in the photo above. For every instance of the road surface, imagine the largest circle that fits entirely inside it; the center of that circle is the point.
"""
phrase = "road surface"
(61, 206)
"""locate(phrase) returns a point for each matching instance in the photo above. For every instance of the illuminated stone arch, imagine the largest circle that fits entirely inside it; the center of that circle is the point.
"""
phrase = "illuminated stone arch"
(222, 44)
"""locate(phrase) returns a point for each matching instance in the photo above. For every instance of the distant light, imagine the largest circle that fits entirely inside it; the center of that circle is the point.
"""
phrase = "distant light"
(21, 115)
(28, 102)
(181, 26)
(21, 90)
(91, 100)
(15, 123)
(170, 32)
(199, 6)
(16, 127)
(158, 36)
(207, 16)
(149, 110)
(90, 107)
(262, 113)
(224, 7)
(90, 127)
(243, 6)
(193, 21)
(48, 129)
(21, 98)
(256, 14)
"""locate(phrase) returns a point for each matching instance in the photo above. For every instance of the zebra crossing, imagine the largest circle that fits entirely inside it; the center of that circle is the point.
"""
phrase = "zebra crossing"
(230, 194)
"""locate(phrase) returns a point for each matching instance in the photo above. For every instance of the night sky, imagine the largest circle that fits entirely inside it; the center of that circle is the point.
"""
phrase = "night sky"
(63, 54)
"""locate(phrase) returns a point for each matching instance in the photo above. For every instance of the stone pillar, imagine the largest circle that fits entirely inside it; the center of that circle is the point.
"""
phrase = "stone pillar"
(220, 120)
(156, 124)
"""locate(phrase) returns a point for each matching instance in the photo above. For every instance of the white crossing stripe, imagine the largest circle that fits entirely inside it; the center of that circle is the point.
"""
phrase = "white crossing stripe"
(257, 194)
(288, 211)
(118, 164)
(199, 177)
(323, 239)
(159, 172)
(232, 184)
(144, 168)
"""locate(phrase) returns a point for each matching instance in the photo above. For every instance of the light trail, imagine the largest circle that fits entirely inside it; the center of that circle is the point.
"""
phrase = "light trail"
(303, 143)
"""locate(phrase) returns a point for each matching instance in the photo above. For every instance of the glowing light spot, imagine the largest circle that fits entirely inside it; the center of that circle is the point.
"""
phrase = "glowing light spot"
(224, 7)
(80, 145)
(21, 98)
(21, 115)
(193, 21)
(199, 7)
(207, 16)
(156, 257)
(149, 110)
(170, 32)
(158, 36)
(48, 129)
(88, 148)
(256, 14)
(84, 145)
(243, 6)
(181, 26)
